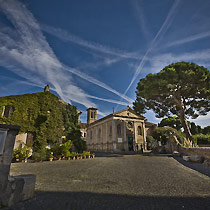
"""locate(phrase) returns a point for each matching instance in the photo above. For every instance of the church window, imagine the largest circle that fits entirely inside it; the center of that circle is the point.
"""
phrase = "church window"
(139, 131)
(91, 115)
(118, 129)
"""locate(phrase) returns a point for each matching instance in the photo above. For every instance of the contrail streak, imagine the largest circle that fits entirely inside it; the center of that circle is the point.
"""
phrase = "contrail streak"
(96, 82)
(161, 31)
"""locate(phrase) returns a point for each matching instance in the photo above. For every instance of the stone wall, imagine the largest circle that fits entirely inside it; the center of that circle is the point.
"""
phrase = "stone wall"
(202, 151)
(173, 145)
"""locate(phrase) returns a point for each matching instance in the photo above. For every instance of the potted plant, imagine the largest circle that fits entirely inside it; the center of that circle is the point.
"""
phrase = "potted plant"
(87, 154)
(92, 155)
(67, 155)
(50, 156)
(73, 155)
(65, 147)
(79, 156)
(57, 151)
(22, 154)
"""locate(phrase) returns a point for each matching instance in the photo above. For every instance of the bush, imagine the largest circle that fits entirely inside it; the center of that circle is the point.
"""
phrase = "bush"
(150, 142)
(201, 139)
(39, 155)
(22, 153)
(163, 134)
(62, 149)
(57, 149)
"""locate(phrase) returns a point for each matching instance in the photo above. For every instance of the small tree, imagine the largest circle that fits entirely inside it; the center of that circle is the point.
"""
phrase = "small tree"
(172, 121)
(181, 89)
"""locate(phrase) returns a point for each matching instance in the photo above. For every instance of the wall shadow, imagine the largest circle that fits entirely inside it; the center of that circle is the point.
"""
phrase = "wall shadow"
(116, 154)
(195, 166)
(99, 201)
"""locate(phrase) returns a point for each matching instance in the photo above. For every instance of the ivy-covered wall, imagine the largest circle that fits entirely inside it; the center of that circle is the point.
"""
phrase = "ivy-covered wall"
(43, 114)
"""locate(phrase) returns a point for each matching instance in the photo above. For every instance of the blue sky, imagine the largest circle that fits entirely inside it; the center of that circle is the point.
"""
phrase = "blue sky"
(93, 53)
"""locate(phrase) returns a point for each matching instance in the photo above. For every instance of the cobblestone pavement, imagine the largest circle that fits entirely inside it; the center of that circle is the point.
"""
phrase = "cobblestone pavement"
(115, 182)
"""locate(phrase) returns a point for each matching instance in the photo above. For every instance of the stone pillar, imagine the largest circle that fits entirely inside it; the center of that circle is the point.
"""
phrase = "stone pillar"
(125, 141)
(114, 140)
(135, 136)
(106, 137)
(12, 189)
(144, 136)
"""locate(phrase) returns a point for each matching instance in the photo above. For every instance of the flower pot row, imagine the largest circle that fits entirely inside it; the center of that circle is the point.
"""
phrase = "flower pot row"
(59, 157)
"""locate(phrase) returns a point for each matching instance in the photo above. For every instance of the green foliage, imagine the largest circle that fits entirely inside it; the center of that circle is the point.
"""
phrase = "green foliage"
(163, 134)
(39, 155)
(206, 130)
(22, 153)
(150, 142)
(171, 121)
(181, 89)
(73, 154)
(195, 129)
(86, 153)
(202, 139)
(43, 114)
(66, 148)
(57, 149)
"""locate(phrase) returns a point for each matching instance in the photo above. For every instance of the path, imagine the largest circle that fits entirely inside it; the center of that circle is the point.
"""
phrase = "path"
(122, 182)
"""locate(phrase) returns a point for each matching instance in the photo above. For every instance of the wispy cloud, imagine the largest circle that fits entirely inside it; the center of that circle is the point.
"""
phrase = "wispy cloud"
(189, 39)
(109, 100)
(139, 12)
(95, 81)
(25, 51)
(202, 120)
(166, 24)
(69, 37)
(30, 56)
(158, 62)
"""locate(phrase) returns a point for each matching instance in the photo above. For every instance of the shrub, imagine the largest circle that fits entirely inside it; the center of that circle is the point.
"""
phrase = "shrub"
(22, 153)
(201, 139)
(40, 155)
(150, 142)
(163, 134)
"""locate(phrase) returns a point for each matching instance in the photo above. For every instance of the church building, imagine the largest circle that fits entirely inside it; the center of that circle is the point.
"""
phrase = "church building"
(120, 131)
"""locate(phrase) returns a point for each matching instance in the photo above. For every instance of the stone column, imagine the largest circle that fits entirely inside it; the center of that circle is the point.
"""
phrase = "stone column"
(12, 189)
(106, 137)
(114, 134)
(144, 136)
(125, 141)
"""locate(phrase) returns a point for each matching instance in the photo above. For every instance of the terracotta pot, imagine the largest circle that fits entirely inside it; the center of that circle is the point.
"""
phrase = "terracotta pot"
(59, 157)
(73, 158)
(68, 158)
(50, 159)
(84, 157)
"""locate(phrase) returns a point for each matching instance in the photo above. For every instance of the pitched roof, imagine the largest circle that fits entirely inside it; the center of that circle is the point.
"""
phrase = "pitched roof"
(116, 114)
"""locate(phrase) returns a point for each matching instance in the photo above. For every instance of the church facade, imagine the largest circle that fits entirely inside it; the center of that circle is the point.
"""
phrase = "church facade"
(120, 131)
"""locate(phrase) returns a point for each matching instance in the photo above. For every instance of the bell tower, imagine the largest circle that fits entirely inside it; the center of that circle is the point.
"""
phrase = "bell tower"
(91, 115)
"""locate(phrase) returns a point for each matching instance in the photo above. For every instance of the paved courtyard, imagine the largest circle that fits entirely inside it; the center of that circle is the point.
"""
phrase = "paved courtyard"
(122, 182)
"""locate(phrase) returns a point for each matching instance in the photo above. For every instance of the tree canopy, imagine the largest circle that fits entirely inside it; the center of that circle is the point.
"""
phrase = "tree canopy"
(171, 121)
(181, 89)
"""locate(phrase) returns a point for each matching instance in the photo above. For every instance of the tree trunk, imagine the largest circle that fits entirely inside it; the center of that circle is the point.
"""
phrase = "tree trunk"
(186, 127)
(183, 120)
